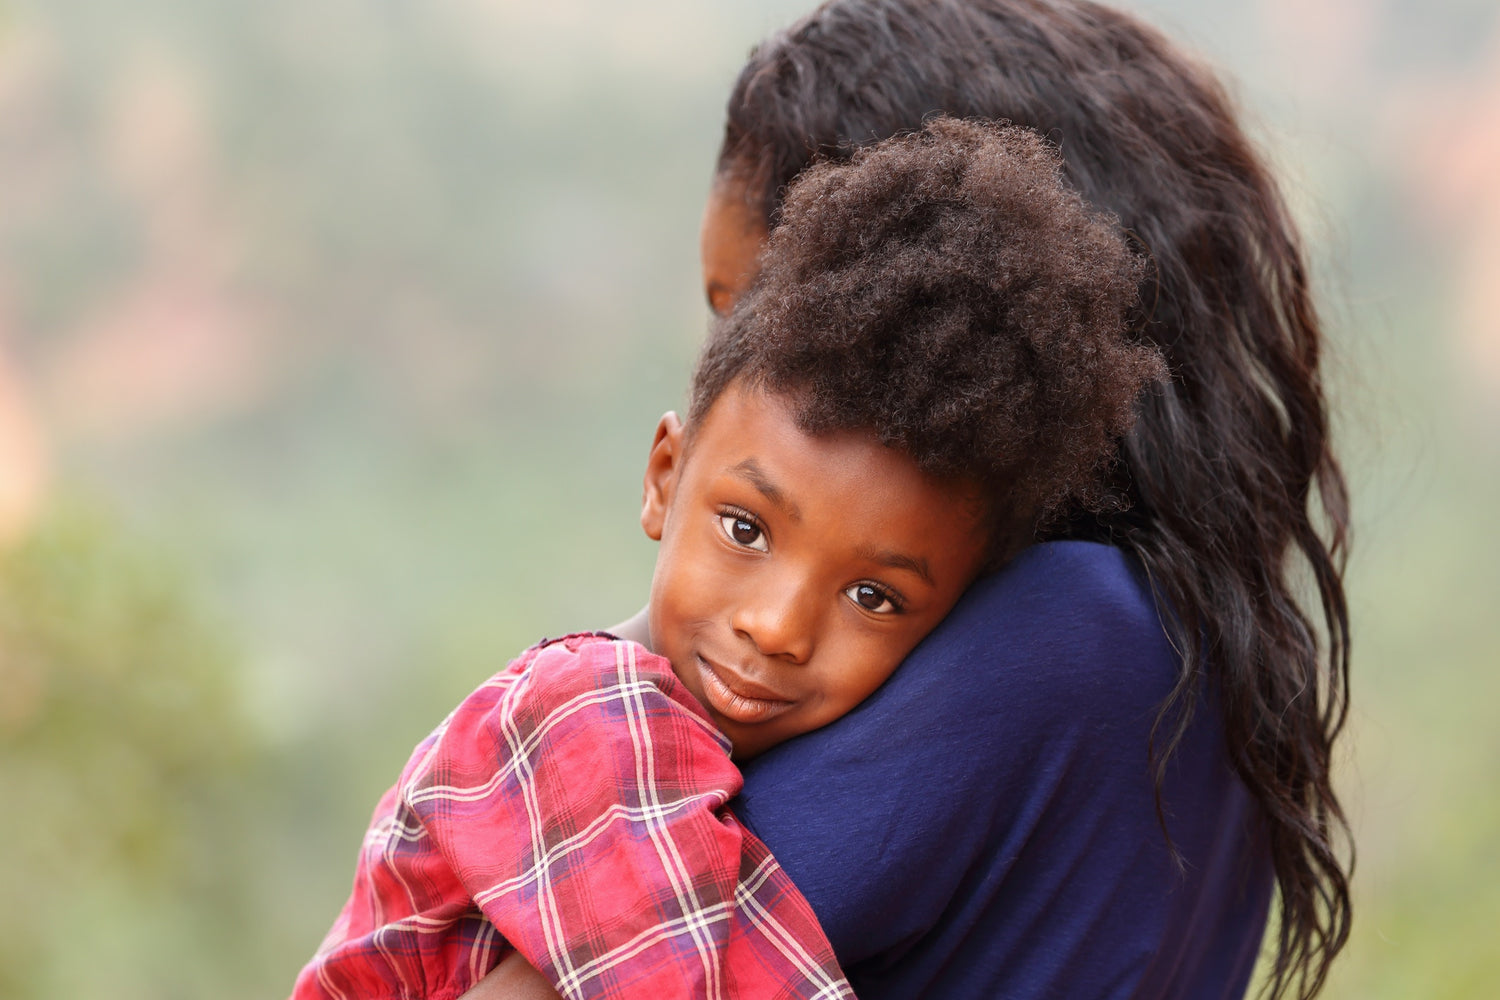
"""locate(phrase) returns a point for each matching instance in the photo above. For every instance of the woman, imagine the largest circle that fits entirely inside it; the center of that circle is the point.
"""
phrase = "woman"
(1127, 733)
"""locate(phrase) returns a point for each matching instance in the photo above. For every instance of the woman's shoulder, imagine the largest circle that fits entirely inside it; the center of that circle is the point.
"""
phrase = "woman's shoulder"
(1077, 587)
(1067, 626)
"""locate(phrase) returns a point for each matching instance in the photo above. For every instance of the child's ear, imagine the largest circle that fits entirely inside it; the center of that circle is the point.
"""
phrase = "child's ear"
(662, 467)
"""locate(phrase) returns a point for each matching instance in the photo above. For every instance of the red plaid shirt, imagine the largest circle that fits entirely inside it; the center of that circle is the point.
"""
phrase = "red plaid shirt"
(574, 808)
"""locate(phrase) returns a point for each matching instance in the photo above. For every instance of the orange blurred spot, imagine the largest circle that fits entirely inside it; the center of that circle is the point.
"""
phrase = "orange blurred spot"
(23, 457)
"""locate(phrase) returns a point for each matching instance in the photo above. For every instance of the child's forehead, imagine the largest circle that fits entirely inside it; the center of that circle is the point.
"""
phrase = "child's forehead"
(749, 415)
(758, 433)
(727, 408)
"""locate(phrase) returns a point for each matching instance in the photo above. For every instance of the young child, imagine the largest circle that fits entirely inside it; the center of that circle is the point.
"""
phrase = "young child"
(934, 361)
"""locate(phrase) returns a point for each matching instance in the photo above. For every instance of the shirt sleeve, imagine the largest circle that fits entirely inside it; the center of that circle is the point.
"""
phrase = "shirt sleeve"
(601, 846)
(985, 825)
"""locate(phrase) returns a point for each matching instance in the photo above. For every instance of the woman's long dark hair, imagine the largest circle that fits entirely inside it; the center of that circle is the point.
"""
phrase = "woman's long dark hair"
(1237, 507)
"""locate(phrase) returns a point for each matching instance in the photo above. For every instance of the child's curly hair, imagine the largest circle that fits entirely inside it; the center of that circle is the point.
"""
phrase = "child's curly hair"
(947, 290)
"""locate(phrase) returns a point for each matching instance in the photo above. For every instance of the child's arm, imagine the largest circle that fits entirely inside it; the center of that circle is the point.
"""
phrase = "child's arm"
(602, 847)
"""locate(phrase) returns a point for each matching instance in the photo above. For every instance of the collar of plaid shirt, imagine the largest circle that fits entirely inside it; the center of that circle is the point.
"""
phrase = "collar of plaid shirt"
(574, 807)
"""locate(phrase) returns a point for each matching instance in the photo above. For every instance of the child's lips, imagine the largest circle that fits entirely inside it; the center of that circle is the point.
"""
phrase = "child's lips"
(736, 697)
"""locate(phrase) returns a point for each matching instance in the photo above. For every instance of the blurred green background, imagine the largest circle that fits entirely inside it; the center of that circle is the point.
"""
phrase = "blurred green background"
(332, 336)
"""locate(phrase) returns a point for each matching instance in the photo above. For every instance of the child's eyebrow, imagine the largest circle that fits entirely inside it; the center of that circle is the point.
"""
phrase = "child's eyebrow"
(751, 471)
(897, 560)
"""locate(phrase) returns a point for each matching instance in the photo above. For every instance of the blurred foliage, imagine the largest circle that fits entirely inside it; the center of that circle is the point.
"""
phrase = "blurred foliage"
(352, 322)
(123, 760)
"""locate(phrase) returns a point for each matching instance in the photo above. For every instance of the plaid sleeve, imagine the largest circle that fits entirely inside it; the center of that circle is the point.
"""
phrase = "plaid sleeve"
(409, 930)
(583, 808)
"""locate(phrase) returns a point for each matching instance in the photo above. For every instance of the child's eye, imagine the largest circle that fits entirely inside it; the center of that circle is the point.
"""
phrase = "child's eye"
(873, 599)
(743, 532)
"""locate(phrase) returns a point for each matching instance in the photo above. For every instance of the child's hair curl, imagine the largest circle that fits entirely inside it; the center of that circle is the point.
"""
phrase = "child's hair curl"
(947, 290)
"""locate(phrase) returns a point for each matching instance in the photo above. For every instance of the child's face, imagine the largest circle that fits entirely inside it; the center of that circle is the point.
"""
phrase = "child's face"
(795, 572)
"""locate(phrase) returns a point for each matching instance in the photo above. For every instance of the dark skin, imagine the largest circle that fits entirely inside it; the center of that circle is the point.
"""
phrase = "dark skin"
(513, 979)
(795, 571)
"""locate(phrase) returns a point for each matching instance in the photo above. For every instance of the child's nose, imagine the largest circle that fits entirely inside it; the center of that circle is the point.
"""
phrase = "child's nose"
(780, 619)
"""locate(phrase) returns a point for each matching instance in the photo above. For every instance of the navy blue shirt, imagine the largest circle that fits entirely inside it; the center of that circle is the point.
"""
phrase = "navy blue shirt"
(984, 825)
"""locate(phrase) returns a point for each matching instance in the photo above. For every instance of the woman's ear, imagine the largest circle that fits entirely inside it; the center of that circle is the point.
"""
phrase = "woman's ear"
(662, 468)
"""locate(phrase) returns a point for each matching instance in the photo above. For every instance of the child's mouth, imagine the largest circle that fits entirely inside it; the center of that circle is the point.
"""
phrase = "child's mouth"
(736, 698)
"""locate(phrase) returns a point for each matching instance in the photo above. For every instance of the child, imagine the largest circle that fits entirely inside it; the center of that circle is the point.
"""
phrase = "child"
(933, 363)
